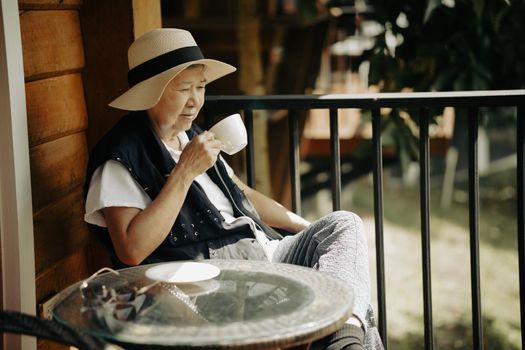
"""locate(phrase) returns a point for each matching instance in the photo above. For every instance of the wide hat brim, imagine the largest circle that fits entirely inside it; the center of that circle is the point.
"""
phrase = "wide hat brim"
(147, 93)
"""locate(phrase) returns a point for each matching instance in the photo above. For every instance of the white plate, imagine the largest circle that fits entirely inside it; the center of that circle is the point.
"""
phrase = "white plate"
(182, 272)
(195, 289)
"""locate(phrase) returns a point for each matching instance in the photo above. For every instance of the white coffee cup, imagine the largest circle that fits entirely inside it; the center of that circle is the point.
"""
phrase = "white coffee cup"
(232, 133)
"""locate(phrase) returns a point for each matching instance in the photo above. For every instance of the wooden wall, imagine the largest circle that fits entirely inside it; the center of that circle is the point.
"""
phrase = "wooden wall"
(71, 51)
(57, 121)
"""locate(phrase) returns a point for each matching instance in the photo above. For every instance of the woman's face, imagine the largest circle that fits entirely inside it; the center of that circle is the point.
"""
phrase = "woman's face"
(180, 103)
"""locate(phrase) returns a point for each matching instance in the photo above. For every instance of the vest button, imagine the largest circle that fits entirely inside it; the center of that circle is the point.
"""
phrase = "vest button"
(208, 211)
(183, 225)
(196, 233)
(185, 236)
(201, 222)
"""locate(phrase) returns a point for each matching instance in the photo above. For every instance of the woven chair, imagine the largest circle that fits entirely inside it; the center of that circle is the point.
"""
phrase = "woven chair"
(20, 323)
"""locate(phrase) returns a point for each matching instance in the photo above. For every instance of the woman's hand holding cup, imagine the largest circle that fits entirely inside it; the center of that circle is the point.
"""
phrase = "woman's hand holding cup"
(201, 153)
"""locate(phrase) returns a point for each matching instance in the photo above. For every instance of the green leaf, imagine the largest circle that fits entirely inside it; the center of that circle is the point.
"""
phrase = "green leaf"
(431, 6)
(478, 9)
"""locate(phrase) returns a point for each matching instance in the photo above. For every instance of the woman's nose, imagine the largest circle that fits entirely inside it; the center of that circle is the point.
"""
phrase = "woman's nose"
(194, 97)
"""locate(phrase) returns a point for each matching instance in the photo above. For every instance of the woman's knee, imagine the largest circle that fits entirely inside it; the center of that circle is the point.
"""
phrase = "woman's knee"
(347, 218)
(341, 224)
(342, 214)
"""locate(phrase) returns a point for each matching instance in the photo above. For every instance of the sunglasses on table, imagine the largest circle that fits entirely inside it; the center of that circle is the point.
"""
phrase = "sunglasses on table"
(123, 301)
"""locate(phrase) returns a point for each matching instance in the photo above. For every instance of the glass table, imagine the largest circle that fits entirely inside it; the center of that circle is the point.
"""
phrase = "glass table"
(248, 305)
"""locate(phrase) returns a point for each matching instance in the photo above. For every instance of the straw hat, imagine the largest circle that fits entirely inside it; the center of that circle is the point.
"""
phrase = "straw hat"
(157, 57)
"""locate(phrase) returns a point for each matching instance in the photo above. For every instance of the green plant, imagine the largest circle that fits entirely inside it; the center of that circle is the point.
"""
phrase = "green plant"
(448, 45)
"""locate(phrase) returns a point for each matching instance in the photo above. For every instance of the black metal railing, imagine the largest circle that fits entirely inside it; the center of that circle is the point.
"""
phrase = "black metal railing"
(473, 101)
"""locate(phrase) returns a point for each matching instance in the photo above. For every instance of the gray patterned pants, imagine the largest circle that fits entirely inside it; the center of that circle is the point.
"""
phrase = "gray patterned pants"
(336, 244)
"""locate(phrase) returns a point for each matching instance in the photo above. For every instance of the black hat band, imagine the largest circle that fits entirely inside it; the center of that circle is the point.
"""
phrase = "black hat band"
(162, 63)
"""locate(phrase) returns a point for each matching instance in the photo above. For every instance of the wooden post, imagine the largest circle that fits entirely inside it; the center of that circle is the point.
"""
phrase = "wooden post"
(17, 271)
(146, 16)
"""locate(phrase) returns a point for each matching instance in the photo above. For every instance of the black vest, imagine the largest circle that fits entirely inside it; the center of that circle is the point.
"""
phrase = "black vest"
(134, 143)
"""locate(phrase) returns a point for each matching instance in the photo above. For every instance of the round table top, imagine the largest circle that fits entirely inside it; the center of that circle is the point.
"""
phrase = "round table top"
(248, 305)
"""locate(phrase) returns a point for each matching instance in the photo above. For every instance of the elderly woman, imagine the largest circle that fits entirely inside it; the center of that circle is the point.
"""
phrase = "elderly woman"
(157, 188)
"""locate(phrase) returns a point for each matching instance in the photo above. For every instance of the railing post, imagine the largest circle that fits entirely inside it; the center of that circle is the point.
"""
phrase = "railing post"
(250, 162)
(378, 213)
(209, 110)
(520, 144)
(293, 130)
(424, 181)
(477, 322)
(336, 159)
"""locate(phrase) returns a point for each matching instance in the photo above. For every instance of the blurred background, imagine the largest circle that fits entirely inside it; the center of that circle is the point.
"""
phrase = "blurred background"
(323, 47)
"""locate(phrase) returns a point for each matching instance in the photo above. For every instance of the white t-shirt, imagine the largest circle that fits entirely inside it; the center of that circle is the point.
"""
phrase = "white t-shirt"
(113, 186)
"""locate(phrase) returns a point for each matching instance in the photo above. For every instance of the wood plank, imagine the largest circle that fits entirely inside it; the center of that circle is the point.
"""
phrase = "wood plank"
(60, 230)
(311, 147)
(48, 4)
(106, 49)
(67, 271)
(146, 16)
(45, 344)
(57, 167)
(51, 43)
(321, 147)
(106, 69)
(55, 107)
